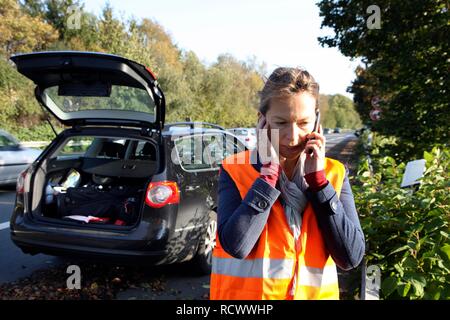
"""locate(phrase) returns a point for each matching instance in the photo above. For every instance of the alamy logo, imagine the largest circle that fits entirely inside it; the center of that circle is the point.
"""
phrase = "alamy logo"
(374, 20)
(74, 18)
(373, 282)
(74, 281)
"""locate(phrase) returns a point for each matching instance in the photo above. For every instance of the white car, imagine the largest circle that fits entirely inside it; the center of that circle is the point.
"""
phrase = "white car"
(14, 158)
(246, 135)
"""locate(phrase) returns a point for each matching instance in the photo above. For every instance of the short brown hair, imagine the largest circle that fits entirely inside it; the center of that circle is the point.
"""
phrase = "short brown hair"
(286, 82)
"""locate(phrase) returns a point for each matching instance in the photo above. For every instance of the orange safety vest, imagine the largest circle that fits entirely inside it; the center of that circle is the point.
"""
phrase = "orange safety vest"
(268, 271)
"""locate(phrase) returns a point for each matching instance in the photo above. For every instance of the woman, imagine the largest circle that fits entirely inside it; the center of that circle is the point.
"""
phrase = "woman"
(286, 215)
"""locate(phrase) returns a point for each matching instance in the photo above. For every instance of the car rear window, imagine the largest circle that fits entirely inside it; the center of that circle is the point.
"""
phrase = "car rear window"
(75, 146)
(121, 98)
(106, 148)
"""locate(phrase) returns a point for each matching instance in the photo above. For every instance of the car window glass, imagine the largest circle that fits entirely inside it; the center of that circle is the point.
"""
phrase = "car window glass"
(144, 151)
(75, 146)
(233, 145)
(6, 141)
(120, 98)
(106, 148)
(220, 146)
(214, 148)
(190, 154)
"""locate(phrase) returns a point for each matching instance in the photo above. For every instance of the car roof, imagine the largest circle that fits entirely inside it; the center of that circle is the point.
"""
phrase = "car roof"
(175, 130)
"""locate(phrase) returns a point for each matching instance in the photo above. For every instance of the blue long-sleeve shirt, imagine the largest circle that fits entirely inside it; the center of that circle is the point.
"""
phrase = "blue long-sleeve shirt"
(241, 221)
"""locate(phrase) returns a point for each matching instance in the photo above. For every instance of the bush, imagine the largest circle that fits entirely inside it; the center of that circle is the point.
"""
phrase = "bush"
(407, 232)
(41, 132)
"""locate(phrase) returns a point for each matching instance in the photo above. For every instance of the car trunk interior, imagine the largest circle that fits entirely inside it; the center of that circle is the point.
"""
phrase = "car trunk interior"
(95, 181)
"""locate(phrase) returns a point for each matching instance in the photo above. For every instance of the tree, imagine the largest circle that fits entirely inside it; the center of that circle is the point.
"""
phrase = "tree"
(34, 8)
(406, 64)
(57, 13)
(231, 91)
(338, 111)
(20, 32)
(225, 92)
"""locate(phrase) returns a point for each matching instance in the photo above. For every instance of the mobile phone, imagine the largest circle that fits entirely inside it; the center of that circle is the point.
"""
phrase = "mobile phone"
(316, 127)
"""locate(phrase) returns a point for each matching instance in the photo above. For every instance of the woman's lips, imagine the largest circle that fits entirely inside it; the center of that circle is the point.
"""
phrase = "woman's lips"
(294, 149)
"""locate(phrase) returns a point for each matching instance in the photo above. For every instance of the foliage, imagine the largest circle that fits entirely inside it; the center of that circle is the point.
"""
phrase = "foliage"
(41, 132)
(407, 232)
(406, 65)
(339, 111)
(224, 92)
(20, 32)
(18, 108)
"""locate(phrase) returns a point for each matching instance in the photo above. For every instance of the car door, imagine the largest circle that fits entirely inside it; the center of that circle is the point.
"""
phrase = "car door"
(218, 146)
(192, 170)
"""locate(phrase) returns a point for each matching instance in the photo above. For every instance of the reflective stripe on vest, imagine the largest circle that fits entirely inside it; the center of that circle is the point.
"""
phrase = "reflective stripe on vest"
(316, 277)
(254, 268)
(274, 269)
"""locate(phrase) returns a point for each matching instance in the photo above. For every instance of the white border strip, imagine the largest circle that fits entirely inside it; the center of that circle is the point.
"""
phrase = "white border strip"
(4, 225)
(188, 228)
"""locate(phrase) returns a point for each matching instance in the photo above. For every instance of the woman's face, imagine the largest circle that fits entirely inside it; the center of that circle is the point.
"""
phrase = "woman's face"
(294, 118)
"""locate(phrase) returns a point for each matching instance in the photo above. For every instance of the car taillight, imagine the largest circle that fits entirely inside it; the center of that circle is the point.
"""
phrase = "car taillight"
(20, 186)
(161, 193)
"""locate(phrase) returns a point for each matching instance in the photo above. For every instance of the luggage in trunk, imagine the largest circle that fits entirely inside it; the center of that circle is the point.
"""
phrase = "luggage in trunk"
(98, 179)
(113, 204)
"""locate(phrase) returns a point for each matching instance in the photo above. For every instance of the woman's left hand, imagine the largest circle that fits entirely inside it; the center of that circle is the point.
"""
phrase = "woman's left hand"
(315, 161)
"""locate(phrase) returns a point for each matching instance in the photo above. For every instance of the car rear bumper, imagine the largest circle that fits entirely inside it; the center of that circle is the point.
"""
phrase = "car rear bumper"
(144, 243)
(70, 250)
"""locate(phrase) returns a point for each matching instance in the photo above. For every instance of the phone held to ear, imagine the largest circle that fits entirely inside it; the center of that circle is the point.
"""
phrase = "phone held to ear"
(316, 127)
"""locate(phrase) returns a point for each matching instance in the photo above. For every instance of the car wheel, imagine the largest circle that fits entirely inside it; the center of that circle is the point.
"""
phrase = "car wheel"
(202, 261)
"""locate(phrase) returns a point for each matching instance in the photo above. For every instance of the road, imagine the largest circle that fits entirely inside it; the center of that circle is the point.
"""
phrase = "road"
(333, 139)
(15, 265)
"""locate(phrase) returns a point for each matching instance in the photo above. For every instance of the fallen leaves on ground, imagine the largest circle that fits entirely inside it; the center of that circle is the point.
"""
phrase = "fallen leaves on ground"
(98, 282)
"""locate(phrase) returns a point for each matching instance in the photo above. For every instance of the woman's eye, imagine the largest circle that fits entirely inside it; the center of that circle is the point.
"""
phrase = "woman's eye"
(280, 123)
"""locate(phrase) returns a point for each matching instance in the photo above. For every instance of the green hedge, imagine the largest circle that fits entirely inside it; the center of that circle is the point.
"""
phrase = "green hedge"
(407, 233)
(42, 132)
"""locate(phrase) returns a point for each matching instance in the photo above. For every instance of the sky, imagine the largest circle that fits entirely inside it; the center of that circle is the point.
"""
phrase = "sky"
(279, 33)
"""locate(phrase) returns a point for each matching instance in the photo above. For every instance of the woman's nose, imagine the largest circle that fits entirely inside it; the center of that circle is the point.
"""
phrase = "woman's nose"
(293, 134)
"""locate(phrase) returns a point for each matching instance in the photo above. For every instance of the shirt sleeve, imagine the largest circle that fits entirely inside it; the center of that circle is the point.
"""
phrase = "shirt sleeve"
(241, 221)
(339, 223)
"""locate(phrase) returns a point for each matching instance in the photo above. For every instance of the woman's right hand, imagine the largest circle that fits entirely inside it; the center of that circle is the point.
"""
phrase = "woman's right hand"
(271, 168)
(266, 151)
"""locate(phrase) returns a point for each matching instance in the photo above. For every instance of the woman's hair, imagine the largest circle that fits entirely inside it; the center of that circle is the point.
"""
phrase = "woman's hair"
(284, 82)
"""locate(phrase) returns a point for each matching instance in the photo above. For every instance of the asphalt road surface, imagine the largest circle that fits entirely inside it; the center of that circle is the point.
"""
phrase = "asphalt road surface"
(333, 139)
(15, 265)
